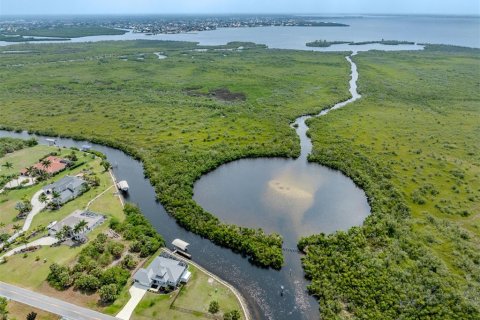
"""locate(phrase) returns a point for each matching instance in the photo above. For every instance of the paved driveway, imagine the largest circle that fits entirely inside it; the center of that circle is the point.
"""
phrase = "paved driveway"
(137, 292)
(45, 241)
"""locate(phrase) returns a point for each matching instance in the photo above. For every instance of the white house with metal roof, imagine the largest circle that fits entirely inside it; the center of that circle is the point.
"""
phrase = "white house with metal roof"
(163, 272)
(67, 188)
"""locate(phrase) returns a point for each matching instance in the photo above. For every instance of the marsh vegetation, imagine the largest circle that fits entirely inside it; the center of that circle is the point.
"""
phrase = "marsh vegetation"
(410, 143)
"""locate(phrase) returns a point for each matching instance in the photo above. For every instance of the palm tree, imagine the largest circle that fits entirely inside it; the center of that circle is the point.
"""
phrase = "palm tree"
(23, 240)
(16, 227)
(29, 171)
(8, 165)
(67, 231)
(59, 235)
(42, 198)
(55, 194)
(46, 163)
(80, 227)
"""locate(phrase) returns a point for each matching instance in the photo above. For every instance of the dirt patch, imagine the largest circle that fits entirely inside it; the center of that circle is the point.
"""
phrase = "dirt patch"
(226, 95)
(72, 296)
(222, 94)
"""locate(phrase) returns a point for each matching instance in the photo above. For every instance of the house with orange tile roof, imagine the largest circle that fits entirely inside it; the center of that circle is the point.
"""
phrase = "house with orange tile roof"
(56, 165)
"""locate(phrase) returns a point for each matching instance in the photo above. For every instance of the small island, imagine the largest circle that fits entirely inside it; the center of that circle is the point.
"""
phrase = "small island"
(326, 44)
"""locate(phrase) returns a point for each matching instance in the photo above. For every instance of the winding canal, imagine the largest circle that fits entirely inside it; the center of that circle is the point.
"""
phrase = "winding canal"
(260, 287)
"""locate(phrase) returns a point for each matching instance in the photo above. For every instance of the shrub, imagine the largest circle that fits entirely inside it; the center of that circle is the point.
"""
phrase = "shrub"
(87, 282)
(108, 293)
(232, 315)
(214, 307)
(59, 277)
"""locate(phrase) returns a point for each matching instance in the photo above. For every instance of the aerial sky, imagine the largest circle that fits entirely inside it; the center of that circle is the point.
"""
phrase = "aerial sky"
(11, 7)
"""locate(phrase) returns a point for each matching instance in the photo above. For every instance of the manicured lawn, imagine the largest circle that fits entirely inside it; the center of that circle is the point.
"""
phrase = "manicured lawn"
(195, 296)
(9, 199)
(24, 158)
(201, 290)
(29, 273)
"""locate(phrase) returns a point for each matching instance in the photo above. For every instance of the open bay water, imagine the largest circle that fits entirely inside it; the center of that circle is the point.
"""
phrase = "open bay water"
(451, 30)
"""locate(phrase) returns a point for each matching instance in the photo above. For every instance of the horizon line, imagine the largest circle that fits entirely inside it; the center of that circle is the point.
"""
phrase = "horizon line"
(244, 13)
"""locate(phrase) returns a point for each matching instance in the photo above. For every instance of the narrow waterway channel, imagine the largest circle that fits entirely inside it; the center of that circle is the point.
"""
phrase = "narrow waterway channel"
(260, 287)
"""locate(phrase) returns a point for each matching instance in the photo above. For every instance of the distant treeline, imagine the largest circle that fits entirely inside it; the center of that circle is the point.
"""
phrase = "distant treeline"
(64, 32)
(325, 43)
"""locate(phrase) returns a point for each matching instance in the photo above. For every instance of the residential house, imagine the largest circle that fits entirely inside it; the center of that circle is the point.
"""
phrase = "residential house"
(92, 220)
(56, 165)
(67, 188)
(163, 272)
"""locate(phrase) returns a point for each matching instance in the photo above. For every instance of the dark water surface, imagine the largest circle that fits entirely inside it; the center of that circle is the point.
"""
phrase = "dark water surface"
(260, 287)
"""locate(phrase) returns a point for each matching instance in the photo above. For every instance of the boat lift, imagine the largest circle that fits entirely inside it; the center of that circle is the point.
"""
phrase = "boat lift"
(181, 247)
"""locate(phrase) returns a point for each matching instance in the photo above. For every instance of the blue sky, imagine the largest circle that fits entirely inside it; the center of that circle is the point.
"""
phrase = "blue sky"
(471, 7)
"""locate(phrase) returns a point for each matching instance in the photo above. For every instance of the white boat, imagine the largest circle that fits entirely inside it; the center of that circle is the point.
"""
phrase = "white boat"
(123, 186)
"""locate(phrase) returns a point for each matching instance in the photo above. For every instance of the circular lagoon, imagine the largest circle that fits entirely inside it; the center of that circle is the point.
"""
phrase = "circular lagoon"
(294, 198)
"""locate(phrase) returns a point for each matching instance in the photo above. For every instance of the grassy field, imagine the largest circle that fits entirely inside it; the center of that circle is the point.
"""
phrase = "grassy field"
(195, 296)
(20, 311)
(183, 115)
(18, 269)
(412, 143)
(24, 158)
(32, 270)
(29, 156)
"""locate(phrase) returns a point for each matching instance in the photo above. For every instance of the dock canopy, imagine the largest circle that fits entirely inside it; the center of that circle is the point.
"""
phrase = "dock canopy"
(180, 244)
(123, 185)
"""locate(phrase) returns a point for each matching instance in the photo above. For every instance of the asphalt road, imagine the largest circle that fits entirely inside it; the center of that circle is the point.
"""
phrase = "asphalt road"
(40, 301)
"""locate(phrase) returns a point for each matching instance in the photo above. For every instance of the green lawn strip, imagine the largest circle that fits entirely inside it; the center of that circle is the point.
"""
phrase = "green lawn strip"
(201, 290)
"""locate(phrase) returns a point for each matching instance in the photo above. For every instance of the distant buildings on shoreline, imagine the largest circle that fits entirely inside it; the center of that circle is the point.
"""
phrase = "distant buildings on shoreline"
(165, 24)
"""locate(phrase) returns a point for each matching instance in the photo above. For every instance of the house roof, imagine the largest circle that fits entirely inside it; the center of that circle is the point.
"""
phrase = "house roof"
(143, 276)
(163, 269)
(56, 165)
(66, 183)
(68, 188)
(75, 217)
